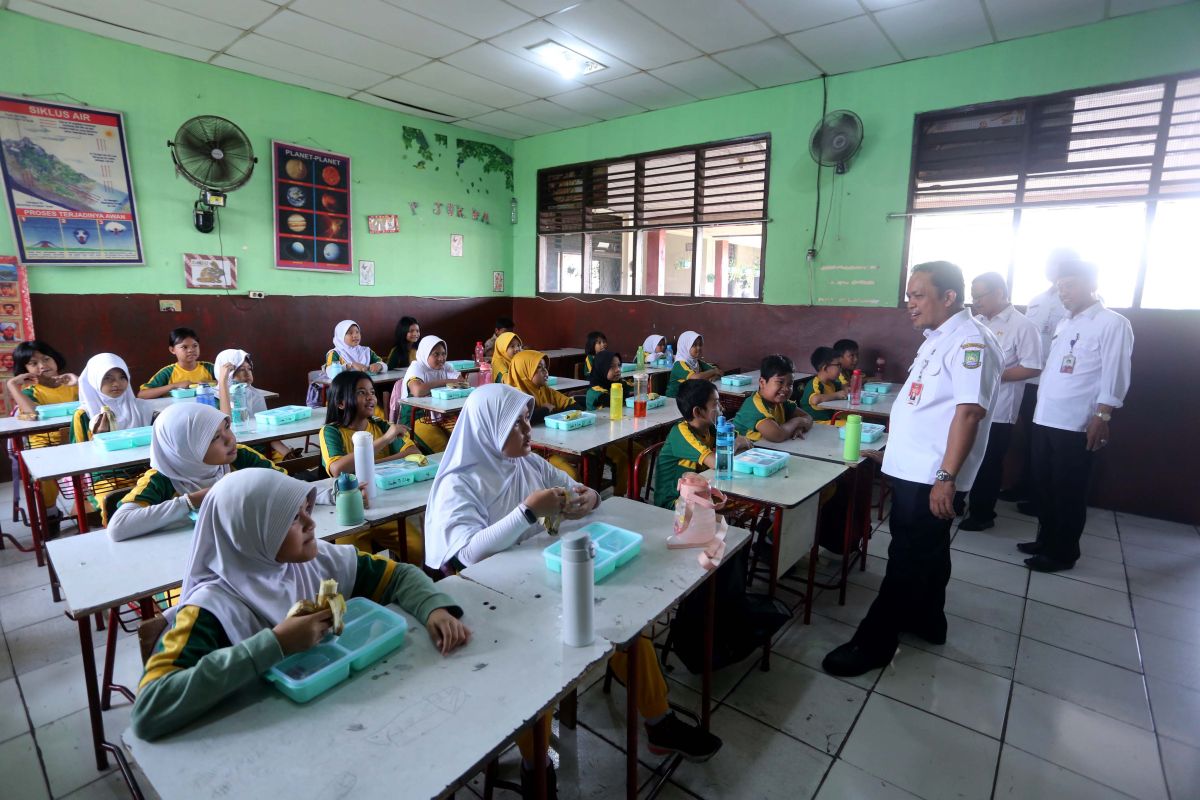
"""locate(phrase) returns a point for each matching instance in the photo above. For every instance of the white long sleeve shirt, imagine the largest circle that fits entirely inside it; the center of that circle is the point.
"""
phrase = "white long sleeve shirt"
(1088, 364)
(1021, 346)
(1045, 311)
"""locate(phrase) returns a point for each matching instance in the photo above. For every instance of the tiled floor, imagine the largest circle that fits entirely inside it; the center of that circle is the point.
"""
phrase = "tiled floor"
(1084, 685)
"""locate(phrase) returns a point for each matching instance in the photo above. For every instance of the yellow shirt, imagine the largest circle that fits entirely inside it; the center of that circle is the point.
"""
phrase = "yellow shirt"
(49, 395)
(173, 373)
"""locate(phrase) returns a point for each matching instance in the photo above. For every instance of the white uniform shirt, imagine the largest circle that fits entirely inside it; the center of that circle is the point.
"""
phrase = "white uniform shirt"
(959, 363)
(1020, 345)
(1045, 311)
(1088, 364)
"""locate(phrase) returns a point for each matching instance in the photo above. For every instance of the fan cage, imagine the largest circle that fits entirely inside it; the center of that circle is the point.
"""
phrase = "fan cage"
(191, 151)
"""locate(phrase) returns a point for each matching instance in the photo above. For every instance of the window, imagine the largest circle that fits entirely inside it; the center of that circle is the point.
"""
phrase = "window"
(1111, 173)
(688, 222)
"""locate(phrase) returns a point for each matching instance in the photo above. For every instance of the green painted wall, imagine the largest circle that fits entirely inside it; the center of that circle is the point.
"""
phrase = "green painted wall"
(157, 92)
(886, 98)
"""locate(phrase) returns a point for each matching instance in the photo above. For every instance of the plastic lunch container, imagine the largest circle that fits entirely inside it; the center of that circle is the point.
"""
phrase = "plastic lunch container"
(282, 415)
(182, 394)
(403, 473)
(372, 631)
(736, 380)
(615, 547)
(446, 393)
(459, 366)
(760, 462)
(54, 410)
(123, 440)
(657, 402)
(878, 388)
(870, 432)
(584, 419)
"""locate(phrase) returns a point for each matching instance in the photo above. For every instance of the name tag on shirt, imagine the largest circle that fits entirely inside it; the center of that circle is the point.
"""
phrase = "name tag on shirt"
(914, 393)
(1068, 364)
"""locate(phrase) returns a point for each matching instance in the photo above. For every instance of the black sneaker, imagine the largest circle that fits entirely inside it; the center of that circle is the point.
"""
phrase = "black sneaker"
(976, 524)
(529, 790)
(1029, 548)
(672, 735)
(852, 659)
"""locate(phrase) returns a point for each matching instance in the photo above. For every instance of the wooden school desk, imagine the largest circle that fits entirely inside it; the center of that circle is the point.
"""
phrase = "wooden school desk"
(584, 441)
(19, 431)
(413, 725)
(627, 602)
(881, 408)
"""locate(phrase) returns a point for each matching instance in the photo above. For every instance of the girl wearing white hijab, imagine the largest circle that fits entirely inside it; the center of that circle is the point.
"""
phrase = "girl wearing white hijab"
(689, 363)
(104, 384)
(236, 366)
(254, 555)
(654, 346)
(426, 372)
(192, 448)
(488, 495)
(349, 351)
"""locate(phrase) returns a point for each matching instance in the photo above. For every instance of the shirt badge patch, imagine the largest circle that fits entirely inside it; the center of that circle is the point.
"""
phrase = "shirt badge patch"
(972, 358)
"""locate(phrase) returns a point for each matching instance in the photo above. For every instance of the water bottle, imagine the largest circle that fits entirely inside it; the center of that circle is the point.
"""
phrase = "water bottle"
(880, 367)
(641, 359)
(347, 499)
(856, 383)
(725, 437)
(641, 394)
(208, 396)
(670, 355)
(616, 401)
(852, 449)
(478, 353)
(239, 406)
(578, 579)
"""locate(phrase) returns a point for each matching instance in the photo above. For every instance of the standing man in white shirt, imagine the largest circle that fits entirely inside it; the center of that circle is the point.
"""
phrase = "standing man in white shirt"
(1085, 380)
(939, 431)
(1021, 348)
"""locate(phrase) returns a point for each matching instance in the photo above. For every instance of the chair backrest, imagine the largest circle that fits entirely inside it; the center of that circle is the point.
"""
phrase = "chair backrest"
(641, 484)
(149, 631)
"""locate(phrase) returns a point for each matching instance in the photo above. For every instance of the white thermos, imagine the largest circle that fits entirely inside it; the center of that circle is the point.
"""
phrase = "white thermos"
(364, 461)
(578, 570)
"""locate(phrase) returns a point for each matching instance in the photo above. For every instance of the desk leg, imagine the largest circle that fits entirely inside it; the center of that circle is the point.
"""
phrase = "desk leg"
(37, 514)
(631, 724)
(568, 710)
(541, 750)
(81, 506)
(776, 532)
(710, 614)
(93, 691)
(849, 528)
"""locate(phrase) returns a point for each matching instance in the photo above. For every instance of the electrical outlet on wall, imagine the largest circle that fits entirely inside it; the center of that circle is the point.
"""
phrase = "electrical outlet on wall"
(170, 305)
(257, 295)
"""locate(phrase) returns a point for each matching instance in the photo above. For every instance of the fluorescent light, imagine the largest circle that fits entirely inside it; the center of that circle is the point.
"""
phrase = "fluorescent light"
(564, 60)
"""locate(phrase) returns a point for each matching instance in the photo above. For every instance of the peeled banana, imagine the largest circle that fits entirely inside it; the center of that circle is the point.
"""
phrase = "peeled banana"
(418, 459)
(570, 415)
(327, 597)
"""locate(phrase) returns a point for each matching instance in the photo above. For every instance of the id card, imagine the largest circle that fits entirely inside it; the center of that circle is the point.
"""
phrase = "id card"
(1068, 364)
(914, 393)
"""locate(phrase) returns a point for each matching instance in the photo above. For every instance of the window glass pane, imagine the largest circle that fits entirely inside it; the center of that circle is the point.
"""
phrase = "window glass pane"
(977, 242)
(1173, 265)
(559, 263)
(1109, 236)
(665, 262)
(610, 271)
(729, 261)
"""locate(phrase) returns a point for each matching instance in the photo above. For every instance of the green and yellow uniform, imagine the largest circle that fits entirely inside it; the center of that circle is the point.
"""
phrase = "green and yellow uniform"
(49, 395)
(334, 357)
(812, 387)
(755, 410)
(684, 451)
(81, 430)
(204, 372)
(597, 396)
(153, 487)
(194, 666)
(336, 441)
(682, 372)
(393, 358)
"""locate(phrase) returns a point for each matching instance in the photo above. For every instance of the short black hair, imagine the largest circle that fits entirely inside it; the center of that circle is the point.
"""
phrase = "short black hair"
(845, 345)
(25, 350)
(822, 357)
(693, 395)
(946, 277)
(774, 365)
(994, 281)
(1079, 269)
(594, 336)
(506, 323)
(341, 390)
(177, 335)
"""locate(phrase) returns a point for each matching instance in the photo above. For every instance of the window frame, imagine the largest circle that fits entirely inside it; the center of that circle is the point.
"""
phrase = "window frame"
(637, 231)
(1151, 198)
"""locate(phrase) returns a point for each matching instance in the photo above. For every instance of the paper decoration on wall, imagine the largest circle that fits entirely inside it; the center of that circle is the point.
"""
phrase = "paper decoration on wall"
(452, 210)
(312, 208)
(16, 319)
(66, 177)
(456, 244)
(497, 281)
(209, 272)
(383, 223)
(366, 273)
(491, 157)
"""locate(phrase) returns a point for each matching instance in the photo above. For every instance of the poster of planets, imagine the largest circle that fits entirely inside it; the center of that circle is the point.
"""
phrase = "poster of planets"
(312, 208)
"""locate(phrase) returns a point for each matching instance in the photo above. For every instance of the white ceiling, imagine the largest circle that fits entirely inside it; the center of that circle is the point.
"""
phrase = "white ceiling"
(465, 61)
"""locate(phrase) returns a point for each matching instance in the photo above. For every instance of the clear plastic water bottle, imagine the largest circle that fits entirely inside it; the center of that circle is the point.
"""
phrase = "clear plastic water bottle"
(239, 406)
(856, 385)
(725, 438)
(670, 355)
(478, 353)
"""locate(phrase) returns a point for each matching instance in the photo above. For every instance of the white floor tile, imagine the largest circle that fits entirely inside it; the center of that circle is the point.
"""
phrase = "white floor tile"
(1084, 681)
(45, 643)
(809, 705)
(1084, 598)
(871, 577)
(1116, 754)
(1171, 659)
(1128, 521)
(1025, 776)
(1098, 572)
(66, 746)
(6, 667)
(971, 697)
(590, 766)
(58, 689)
(27, 607)
(1101, 523)
(989, 572)
(1180, 591)
(880, 541)
(604, 715)
(988, 606)
(112, 787)
(926, 755)
(12, 711)
(724, 679)
(858, 601)
(974, 644)
(1092, 546)
(997, 544)
(846, 781)
(1182, 540)
(10, 554)
(1176, 710)
(1165, 562)
(1079, 633)
(1182, 765)
(22, 575)
(809, 644)
(21, 771)
(1164, 619)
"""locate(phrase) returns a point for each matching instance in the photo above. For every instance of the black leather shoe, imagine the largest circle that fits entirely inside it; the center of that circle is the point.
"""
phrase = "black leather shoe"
(851, 660)
(932, 632)
(976, 524)
(1028, 508)
(1030, 548)
(1043, 563)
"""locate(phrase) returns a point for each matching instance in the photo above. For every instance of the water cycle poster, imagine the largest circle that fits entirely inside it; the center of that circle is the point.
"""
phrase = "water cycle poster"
(66, 178)
(312, 208)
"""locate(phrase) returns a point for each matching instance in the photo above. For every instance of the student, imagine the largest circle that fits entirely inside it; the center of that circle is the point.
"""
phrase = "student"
(184, 344)
(605, 372)
(846, 353)
(404, 349)
(192, 448)
(654, 346)
(349, 351)
(822, 387)
(508, 344)
(691, 445)
(236, 366)
(689, 364)
(529, 373)
(597, 342)
(253, 556)
(488, 496)
(768, 414)
(428, 371)
(104, 384)
(41, 379)
(503, 325)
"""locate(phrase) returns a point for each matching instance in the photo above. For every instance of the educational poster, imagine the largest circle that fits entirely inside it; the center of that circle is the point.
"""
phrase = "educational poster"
(66, 178)
(16, 319)
(312, 208)
(209, 272)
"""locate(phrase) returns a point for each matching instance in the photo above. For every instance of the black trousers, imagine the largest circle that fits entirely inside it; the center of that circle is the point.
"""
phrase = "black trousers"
(981, 503)
(1024, 485)
(913, 594)
(1062, 466)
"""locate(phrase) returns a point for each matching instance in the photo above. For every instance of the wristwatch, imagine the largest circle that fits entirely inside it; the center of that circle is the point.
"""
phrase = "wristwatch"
(943, 476)
(530, 517)
(1103, 415)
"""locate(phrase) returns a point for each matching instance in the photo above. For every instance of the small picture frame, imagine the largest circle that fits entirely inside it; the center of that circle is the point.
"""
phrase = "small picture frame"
(383, 223)
(497, 280)
(209, 272)
(366, 273)
(456, 245)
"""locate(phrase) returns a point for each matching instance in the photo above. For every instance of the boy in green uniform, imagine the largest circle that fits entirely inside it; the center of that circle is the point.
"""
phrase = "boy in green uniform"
(692, 444)
(823, 386)
(768, 414)
(846, 353)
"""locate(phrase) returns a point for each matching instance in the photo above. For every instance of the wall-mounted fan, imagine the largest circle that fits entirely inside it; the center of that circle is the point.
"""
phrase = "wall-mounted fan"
(836, 139)
(215, 155)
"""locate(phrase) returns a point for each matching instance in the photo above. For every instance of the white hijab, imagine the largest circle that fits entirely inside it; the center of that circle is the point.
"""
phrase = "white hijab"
(686, 340)
(181, 437)
(420, 368)
(360, 354)
(476, 484)
(651, 344)
(130, 412)
(237, 358)
(232, 572)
